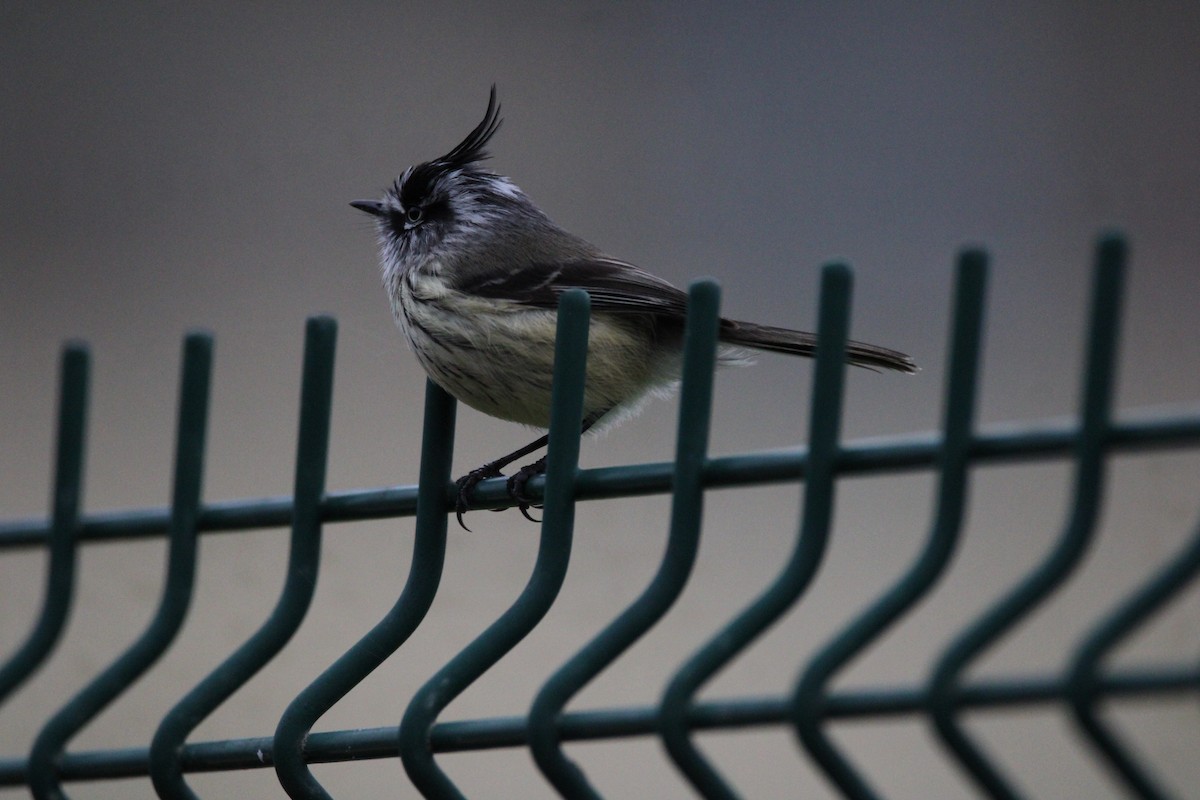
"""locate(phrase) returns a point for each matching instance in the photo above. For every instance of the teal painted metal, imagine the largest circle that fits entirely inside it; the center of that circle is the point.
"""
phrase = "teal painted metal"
(824, 430)
(305, 548)
(181, 569)
(954, 461)
(554, 551)
(1048, 575)
(424, 575)
(1084, 679)
(954, 453)
(64, 515)
(691, 452)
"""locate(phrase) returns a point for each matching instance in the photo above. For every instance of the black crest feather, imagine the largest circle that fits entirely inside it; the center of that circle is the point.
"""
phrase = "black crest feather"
(471, 149)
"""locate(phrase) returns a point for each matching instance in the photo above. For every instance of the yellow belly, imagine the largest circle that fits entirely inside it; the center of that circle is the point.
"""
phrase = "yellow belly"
(497, 356)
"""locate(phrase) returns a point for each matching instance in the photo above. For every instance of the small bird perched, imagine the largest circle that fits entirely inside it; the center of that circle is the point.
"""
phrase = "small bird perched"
(474, 270)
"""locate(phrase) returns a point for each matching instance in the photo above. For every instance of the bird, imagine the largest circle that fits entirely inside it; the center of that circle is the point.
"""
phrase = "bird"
(473, 270)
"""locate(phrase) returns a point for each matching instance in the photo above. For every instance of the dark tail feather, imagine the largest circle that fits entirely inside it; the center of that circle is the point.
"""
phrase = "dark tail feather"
(799, 343)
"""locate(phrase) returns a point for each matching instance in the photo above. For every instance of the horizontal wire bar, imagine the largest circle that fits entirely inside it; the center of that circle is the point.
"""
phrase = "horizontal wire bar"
(1005, 443)
(504, 732)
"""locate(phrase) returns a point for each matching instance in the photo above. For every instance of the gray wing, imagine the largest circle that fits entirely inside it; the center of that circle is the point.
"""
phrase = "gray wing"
(615, 286)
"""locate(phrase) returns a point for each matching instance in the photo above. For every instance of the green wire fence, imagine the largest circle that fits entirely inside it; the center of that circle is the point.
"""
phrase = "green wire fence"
(1083, 688)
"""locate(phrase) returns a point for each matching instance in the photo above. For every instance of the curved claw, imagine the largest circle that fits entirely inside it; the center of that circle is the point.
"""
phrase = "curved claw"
(516, 487)
(466, 485)
(461, 504)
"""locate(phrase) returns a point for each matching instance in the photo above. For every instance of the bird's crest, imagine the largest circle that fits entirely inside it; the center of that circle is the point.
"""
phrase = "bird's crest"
(471, 149)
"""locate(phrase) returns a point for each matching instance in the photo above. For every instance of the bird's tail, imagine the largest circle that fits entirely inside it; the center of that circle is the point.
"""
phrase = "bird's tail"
(799, 343)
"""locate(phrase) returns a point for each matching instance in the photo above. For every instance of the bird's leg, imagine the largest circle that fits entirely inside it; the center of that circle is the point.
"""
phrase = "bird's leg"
(516, 484)
(467, 483)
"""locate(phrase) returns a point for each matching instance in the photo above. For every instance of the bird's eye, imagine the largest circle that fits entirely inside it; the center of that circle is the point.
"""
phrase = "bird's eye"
(414, 215)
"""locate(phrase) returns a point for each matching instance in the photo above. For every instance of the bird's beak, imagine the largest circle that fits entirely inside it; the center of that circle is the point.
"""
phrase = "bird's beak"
(372, 207)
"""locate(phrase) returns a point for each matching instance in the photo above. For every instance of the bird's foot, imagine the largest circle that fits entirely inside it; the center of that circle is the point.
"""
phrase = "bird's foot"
(465, 485)
(516, 487)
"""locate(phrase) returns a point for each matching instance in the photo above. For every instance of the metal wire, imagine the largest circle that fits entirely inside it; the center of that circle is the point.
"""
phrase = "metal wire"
(64, 515)
(549, 570)
(303, 559)
(1049, 574)
(44, 782)
(824, 429)
(691, 450)
(954, 462)
(944, 700)
(429, 552)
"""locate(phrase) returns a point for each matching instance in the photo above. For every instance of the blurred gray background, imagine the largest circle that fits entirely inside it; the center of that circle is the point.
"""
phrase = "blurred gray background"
(165, 169)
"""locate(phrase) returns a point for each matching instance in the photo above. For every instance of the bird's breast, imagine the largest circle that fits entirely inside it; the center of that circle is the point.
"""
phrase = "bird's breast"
(497, 356)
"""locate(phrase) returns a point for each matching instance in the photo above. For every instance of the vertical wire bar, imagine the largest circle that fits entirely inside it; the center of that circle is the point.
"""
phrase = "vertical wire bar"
(424, 575)
(311, 457)
(1084, 682)
(1077, 534)
(954, 460)
(817, 516)
(64, 522)
(177, 593)
(691, 451)
(554, 551)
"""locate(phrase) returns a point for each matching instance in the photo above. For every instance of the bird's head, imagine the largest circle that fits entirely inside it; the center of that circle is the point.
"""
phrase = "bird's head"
(443, 205)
